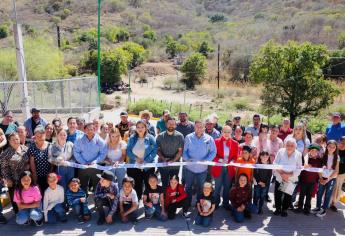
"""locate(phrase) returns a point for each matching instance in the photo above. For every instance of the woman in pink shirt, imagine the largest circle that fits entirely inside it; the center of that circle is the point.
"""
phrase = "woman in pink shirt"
(28, 198)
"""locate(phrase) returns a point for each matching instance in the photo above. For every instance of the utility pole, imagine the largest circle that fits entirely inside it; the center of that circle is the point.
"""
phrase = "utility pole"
(218, 75)
(99, 50)
(61, 82)
(18, 39)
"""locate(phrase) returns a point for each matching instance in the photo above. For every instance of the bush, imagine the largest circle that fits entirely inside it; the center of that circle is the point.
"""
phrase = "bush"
(241, 105)
(317, 124)
(116, 6)
(173, 48)
(205, 49)
(138, 53)
(71, 69)
(150, 34)
(217, 18)
(117, 34)
(4, 31)
(194, 69)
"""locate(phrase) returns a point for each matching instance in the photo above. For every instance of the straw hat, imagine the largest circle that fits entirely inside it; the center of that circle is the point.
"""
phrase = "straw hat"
(145, 112)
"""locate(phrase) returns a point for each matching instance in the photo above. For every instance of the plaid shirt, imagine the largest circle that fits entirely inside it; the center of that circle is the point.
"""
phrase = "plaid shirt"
(101, 192)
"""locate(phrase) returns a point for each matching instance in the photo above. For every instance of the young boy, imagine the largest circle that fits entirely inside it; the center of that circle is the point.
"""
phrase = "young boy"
(153, 199)
(128, 201)
(246, 158)
(54, 197)
(206, 205)
(309, 179)
(76, 198)
(106, 197)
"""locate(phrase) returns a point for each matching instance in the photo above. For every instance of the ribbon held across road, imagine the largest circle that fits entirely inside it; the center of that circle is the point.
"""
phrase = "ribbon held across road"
(209, 163)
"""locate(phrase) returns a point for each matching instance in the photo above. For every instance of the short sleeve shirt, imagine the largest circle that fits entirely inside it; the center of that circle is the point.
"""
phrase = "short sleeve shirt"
(169, 144)
(153, 195)
(29, 196)
(206, 202)
(43, 167)
(129, 199)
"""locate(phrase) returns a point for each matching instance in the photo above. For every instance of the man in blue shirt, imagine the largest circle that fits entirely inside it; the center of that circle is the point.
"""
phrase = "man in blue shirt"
(72, 132)
(161, 124)
(35, 120)
(90, 149)
(198, 146)
(335, 130)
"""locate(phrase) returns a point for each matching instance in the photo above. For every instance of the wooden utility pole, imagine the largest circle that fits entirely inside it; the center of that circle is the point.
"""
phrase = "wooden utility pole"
(218, 74)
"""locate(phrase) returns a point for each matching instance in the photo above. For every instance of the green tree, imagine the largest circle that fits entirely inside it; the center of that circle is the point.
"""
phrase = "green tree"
(194, 69)
(114, 63)
(292, 78)
(205, 49)
(137, 52)
(173, 47)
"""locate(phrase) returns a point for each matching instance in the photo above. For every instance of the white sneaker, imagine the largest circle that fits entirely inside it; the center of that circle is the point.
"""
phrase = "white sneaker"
(321, 213)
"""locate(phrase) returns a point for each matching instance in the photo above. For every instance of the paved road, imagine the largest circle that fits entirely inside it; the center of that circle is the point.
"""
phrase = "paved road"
(223, 224)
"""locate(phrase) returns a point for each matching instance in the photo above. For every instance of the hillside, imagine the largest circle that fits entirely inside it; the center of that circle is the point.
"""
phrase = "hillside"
(239, 26)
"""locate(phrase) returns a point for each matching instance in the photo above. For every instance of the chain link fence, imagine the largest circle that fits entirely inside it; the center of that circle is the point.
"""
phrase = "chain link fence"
(74, 95)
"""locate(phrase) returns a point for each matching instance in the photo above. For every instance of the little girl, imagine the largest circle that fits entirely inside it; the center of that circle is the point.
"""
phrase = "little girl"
(206, 205)
(327, 178)
(262, 178)
(246, 158)
(54, 197)
(241, 198)
(28, 198)
(175, 197)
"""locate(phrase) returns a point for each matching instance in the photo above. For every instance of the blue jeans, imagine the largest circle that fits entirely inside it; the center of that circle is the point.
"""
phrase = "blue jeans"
(120, 174)
(239, 216)
(259, 195)
(132, 216)
(66, 173)
(189, 177)
(326, 189)
(203, 220)
(57, 213)
(81, 209)
(224, 181)
(155, 210)
(24, 215)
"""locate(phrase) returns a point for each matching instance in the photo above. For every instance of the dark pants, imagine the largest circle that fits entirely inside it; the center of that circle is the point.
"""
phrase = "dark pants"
(42, 184)
(57, 213)
(14, 204)
(80, 209)
(282, 200)
(167, 173)
(132, 216)
(260, 194)
(103, 206)
(173, 207)
(140, 177)
(88, 178)
(305, 192)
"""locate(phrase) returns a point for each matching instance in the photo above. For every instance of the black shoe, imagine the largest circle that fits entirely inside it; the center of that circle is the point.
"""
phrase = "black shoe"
(81, 219)
(306, 212)
(268, 199)
(227, 207)
(284, 214)
(100, 221)
(277, 212)
(3, 220)
(38, 222)
(333, 208)
(298, 210)
(64, 220)
(291, 207)
(260, 212)
(247, 215)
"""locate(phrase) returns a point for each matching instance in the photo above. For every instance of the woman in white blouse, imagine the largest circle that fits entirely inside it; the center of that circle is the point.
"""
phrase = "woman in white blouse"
(287, 177)
(116, 154)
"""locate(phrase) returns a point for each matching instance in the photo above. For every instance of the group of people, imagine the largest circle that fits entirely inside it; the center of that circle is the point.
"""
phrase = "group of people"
(43, 187)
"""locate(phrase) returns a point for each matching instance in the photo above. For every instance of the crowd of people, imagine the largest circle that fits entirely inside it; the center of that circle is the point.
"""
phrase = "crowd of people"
(42, 187)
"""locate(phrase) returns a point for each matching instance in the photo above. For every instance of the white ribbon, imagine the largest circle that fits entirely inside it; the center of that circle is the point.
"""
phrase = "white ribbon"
(210, 163)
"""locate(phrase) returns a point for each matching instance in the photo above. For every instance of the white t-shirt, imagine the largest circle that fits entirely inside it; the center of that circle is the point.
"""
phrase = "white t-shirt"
(139, 148)
(131, 198)
(116, 154)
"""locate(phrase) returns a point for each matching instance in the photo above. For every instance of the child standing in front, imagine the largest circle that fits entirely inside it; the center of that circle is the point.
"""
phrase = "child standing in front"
(128, 201)
(206, 205)
(28, 198)
(76, 198)
(153, 199)
(54, 197)
(106, 197)
(308, 179)
(262, 178)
